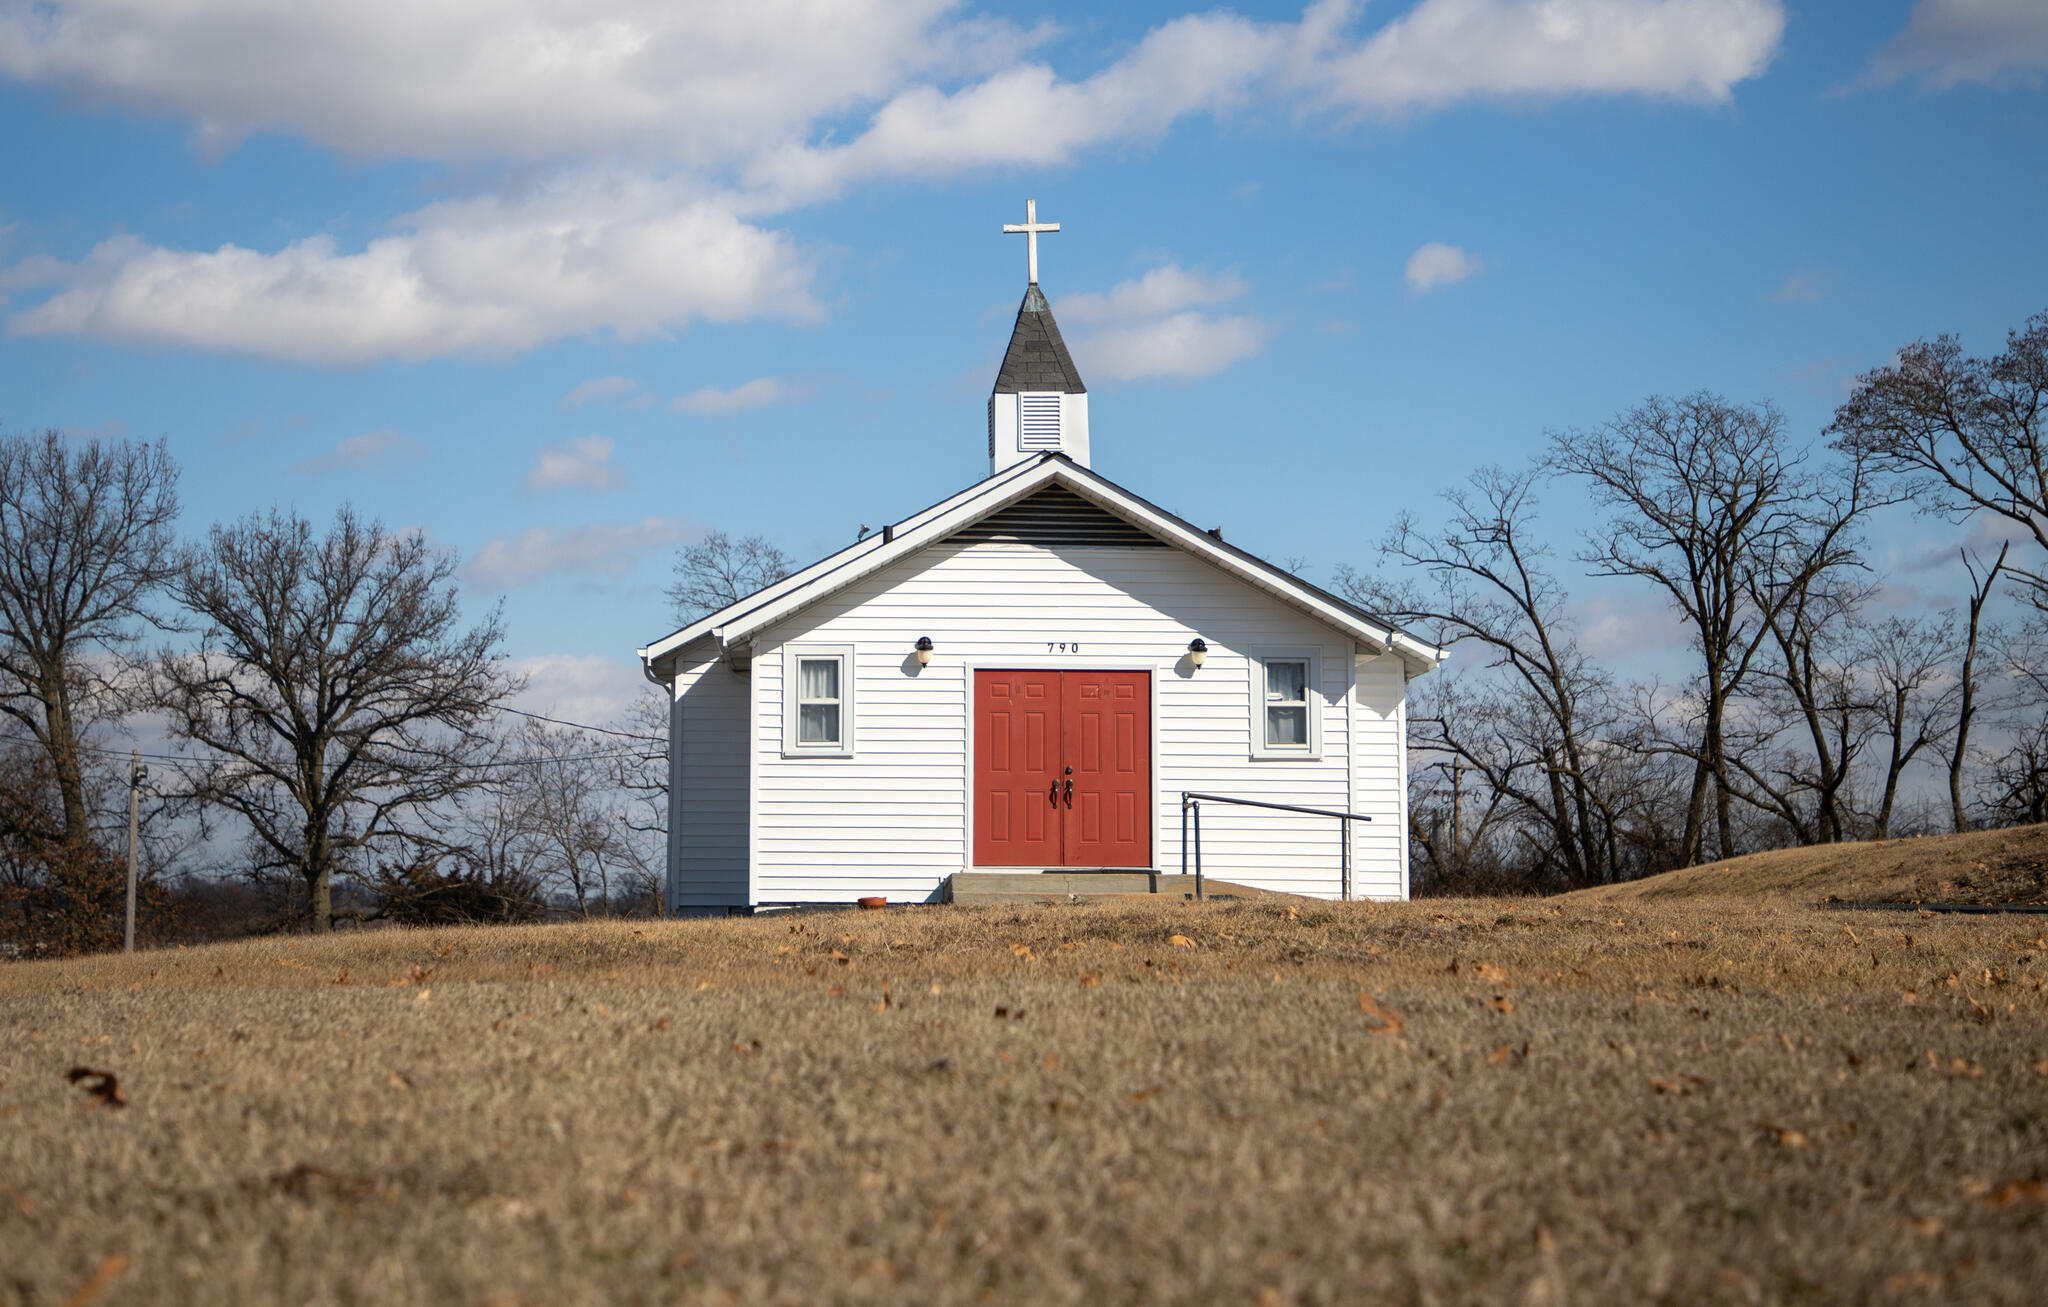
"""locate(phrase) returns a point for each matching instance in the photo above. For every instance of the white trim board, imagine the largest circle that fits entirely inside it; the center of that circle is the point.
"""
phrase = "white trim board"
(734, 627)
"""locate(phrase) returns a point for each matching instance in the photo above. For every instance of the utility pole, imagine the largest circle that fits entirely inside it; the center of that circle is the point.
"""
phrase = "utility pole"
(136, 774)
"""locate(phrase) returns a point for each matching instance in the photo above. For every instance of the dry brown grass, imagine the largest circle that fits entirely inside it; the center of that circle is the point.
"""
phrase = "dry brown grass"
(1994, 866)
(1451, 1102)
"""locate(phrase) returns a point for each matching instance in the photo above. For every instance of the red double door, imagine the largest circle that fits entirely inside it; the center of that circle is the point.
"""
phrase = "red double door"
(1062, 769)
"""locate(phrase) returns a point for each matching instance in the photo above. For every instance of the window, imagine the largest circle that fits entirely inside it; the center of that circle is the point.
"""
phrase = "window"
(1286, 717)
(1287, 703)
(818, 700)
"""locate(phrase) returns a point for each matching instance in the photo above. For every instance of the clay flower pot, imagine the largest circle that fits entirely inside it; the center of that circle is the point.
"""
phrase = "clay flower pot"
(874, 901)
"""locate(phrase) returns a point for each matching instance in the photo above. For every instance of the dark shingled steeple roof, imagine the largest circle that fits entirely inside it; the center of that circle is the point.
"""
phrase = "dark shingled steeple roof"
(1037, 359)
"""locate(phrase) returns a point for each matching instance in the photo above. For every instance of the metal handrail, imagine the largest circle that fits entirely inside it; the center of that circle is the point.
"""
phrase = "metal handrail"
(1192, 801)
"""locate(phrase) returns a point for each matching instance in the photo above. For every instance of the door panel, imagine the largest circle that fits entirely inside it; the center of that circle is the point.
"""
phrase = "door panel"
(1016, 748)
(1106, 721)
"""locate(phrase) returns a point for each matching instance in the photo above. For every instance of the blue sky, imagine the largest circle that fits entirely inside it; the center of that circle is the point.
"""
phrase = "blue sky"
(563, 291)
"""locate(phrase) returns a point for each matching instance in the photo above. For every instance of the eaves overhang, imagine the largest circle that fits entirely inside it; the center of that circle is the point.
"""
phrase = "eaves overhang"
(734, 627)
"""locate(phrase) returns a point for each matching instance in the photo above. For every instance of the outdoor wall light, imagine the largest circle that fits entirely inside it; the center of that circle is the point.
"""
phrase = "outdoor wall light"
(924, 651)
(1198, 652)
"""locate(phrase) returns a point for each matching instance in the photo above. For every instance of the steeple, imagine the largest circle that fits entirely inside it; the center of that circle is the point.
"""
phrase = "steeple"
(1039, 404)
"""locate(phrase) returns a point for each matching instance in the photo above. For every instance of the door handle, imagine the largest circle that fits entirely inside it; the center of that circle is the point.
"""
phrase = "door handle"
(1054, 797)
(1070, 791)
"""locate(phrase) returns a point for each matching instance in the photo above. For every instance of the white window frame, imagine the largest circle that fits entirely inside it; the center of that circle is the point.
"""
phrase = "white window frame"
(1312, 689)
(793, 657)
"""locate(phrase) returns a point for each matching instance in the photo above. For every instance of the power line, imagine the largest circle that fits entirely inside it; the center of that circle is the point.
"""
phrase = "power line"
(581, 726)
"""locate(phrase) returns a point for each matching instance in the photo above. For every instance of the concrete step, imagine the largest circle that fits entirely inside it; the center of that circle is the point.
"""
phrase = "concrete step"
(1064, 886)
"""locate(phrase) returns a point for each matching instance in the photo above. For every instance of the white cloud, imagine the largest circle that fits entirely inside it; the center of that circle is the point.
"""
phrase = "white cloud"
(1438, 53)
(1949, 42)
(1166, 289)
(1444, 51)
(587, 688)
(600, 388)
(1800, 288)
(700, 122)
(583, 461)
(377, 452)
(485, 275)
(603, 550)
(1027, 114)
(1181, 346)
(1614, 626)
(752, 394)
(1150, 326)
(530, 79)
(708, 86)
(1437, 264)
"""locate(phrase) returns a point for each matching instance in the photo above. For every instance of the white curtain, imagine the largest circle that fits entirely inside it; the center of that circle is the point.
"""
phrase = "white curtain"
(1286, 704)
(818, 678)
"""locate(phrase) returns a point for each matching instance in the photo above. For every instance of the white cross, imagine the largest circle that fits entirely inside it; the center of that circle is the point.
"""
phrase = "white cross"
(1030, 228)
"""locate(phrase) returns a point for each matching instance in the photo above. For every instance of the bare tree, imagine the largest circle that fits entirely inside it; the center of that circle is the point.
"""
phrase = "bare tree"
(641, 769)
(1972, 432)
(719, 571)
(1794, 743)
(1955, 747)
(571, 817)
(1710, 506)
(1531, 732)
(85, 540)
(1916, 697)
(332, 688)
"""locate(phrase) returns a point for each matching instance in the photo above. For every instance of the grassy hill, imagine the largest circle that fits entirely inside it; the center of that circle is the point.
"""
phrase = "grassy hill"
(1261, 1102)
(2001, 866)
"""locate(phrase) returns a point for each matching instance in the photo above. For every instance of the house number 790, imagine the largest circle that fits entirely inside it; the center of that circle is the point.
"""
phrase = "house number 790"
(1061, 647)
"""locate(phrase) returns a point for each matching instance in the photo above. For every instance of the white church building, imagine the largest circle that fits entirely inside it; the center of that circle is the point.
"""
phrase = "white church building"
(1029, 676)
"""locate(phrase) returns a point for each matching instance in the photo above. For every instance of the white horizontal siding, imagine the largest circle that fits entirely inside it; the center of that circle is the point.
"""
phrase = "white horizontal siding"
(893, 818)
(707, 858)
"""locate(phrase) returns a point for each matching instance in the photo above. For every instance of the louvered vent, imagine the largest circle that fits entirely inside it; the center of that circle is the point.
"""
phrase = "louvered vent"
(1051, 518)
(991, 427)
(1038, 422)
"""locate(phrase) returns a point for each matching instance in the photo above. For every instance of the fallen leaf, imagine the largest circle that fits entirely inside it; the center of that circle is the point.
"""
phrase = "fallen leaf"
(2018, 1191)
(398, 1080)
(706, 984)
(1677, 1086)
(1501, 1003)
(837, 991)
(839, 957)
(1180, 941)
(101, 1086)
(1052, 1063)
(1389, 1022)
(1024, 951)
(1294, 914)
(1146, 1094)
(96, 1284)
(1504, 1052)
(935, 987)
(1091, 981)
(1785, 1135)
(1491, 974)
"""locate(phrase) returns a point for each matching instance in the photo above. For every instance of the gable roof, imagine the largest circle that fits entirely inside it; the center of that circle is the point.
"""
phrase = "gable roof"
(734, 627)
(1037, 359)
